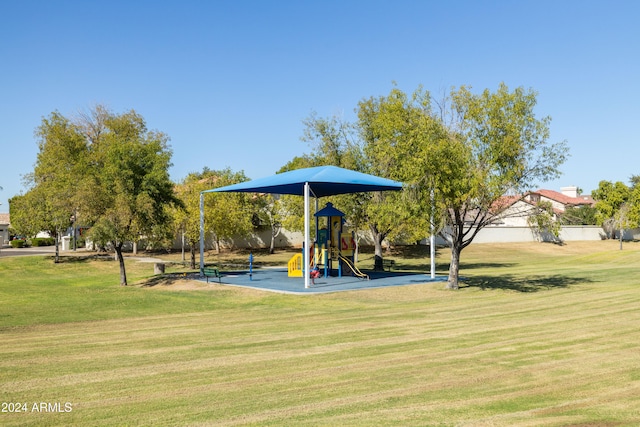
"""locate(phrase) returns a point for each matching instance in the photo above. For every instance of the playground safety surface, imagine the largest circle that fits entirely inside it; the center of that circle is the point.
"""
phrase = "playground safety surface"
(277, 280)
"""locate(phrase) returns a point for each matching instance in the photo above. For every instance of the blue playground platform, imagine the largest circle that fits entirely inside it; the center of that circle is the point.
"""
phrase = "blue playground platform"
(277, 280)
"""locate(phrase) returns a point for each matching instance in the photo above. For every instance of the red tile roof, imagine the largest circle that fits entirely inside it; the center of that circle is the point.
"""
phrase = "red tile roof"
(564, 199)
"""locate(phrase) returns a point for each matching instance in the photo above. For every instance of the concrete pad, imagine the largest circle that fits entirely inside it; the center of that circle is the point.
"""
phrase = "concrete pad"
(277, 280)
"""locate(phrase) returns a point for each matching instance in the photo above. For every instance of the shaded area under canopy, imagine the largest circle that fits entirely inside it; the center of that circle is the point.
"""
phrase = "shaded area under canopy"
(320, 181)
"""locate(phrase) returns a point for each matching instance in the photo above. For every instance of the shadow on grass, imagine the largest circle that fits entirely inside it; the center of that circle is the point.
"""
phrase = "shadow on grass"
(476, 265)
(167, 279)
(411, 251)
(73, 259)
(520, 284)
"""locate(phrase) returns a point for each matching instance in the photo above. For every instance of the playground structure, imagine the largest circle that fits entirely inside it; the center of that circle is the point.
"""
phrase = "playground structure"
(319, 181)
(333, 249)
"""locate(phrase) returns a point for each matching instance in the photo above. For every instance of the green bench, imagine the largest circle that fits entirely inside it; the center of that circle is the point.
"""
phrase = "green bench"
(388, 264)
(211, 272)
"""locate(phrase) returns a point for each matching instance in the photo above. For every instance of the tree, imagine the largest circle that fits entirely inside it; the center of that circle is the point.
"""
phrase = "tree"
(61, 164)
(271, 213)
(460, 157)
(543, 221)
(397, 132)
(293, 206)
(337, 142)
(634, 206)
(610, 198)
(622, 220)
(25, 214)
(496, 146)
(127, 192)
(579, 215)
(225, 217)
(187, 217)
(618, 206)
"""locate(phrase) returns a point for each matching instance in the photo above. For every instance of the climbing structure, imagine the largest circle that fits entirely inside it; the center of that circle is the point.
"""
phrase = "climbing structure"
(334, 247)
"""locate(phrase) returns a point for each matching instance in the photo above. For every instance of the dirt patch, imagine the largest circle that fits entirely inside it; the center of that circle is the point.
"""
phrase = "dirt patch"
(177, 282)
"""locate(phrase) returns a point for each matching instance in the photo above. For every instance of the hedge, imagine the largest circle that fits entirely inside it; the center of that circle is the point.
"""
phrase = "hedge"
(18, 243)
(43, 241)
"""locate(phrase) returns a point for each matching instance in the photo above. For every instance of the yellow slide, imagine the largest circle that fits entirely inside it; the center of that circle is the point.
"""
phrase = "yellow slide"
(353, 268)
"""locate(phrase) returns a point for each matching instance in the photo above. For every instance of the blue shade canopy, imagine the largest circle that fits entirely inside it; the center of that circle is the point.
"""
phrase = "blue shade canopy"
(323, 181)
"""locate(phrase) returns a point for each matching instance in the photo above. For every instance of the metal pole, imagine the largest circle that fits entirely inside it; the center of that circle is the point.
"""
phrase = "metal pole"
(75, 217)
(432, 242)
(250, 265)
(621, 231)
(201, 233)
(305, 252)
(183, 243)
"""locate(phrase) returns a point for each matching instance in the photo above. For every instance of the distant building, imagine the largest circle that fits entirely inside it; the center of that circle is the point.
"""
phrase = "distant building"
(567, 197)
(517, 209)
(4, 228)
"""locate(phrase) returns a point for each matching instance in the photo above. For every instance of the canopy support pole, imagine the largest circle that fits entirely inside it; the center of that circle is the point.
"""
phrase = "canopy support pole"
(432, 241)
(305, 252)
(201, 233)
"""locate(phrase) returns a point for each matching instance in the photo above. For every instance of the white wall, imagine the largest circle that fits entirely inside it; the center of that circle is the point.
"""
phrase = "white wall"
(496, 234)
(524, 234)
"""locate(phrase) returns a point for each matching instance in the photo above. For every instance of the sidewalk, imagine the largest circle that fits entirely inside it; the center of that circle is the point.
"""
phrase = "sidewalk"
(8, 251)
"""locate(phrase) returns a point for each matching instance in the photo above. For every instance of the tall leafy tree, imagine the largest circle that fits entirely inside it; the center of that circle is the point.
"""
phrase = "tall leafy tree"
(459, 156)
(227, 215)
(617, 206)
(610, 199)
(25, 211)
(634, 205)
(61, 164)
(337, 142)
(127, 191)
(397, 131)
(293, 206)
(496, 146)
(187, 217)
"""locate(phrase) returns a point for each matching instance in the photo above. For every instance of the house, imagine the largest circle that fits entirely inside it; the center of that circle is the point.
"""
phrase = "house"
(4, 228)
(560, 201)
(515, 210)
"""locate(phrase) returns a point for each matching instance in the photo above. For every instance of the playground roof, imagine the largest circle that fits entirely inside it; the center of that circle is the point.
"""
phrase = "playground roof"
(322, 180)
(329, 210)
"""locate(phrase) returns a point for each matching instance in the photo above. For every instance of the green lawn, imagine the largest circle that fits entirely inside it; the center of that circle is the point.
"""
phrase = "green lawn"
(538, 335)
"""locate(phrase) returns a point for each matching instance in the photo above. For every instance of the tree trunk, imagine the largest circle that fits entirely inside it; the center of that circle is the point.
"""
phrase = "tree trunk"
(356, 251)
(120, 258)
(272, 246)
(56, 259)
(192, 246)
(378, 237)
(454, 267)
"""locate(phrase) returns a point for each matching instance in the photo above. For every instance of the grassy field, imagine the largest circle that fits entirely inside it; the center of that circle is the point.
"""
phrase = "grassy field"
(538, 335)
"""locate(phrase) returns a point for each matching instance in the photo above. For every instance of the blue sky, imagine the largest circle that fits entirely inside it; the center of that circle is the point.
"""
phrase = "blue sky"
(231, 81)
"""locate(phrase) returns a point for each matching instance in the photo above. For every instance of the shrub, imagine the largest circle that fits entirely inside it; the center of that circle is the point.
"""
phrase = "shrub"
(43, 241)
(18, 243)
